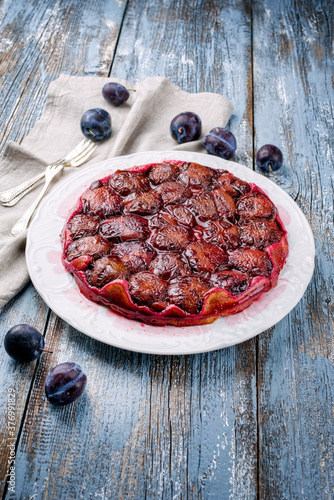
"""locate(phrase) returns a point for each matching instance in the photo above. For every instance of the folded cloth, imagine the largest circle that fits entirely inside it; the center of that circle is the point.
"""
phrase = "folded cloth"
(140, 124)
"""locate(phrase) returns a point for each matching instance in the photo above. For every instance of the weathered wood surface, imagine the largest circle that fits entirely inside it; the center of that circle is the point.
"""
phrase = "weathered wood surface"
(251, 421)
(293, 104)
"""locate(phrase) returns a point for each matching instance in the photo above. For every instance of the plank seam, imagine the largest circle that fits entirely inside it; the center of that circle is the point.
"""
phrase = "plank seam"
(118, 38)
(25, 409)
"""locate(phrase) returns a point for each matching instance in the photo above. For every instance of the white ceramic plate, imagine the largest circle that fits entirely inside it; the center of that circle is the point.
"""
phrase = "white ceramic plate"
(58, 289)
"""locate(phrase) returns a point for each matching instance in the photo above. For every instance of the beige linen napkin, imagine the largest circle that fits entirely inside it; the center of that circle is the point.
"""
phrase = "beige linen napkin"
(140, 124)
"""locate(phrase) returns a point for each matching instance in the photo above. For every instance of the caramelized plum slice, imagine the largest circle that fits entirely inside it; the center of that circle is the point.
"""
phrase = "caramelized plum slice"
(225, 204)
(197, 176)
(232, 281)
(203, 206)
(182, 214)
(94, 246)
(102, 202)
(163, 172)
(171, 238)
(146, 288)
(135, 255)
(160, 220)
(125, 228)
(255, 205)
(187, 293)
(173, 193)
(107, 269)
(260, 233)
(233, 185)
(82, 225)
(145, 204)
(222, 234)
(251, 261)
(205, 257)
(169, 266)
(125, 183)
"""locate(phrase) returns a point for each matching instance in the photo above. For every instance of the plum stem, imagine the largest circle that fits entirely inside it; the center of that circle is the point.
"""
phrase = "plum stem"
(91, 132)
(44, 350)
(131, 90)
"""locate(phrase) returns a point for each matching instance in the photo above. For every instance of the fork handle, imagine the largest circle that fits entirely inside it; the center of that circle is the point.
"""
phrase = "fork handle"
(23, 222)
(10, 195)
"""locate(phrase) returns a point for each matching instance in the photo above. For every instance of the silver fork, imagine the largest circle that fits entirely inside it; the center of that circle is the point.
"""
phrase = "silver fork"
(51, 172)
(11, 196)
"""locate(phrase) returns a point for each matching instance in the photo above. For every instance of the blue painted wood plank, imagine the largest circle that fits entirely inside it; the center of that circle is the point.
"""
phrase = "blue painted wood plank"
(293, 99)
(151, 426)
(38, 40)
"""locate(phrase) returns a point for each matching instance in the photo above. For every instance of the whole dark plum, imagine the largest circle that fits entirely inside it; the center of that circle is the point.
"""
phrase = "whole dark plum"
(220, 142)
(269, 158)
(186, 127)
(96, 124)
(65, 383)
(24, 343)
(115, 93)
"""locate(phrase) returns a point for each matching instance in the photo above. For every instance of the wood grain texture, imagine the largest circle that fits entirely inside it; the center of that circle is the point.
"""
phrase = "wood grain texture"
(181, 427)
(15, 377)
(40, 40)
(251, 421)
(37, 42)
(293, 98)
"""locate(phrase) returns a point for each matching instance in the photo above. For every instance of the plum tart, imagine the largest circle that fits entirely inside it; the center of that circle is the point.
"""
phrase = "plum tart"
(174, 243)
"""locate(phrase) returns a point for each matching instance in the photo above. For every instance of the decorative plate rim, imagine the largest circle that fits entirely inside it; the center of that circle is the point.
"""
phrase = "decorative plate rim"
(58, 289)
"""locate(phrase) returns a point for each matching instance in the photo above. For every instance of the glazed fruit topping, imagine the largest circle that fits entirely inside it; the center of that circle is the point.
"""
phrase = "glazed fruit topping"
(173, 193)
(171, 238)
(102, 202)
(251, 261)
(197, 176)
(255, 205)
(221, 233)
(82, 225)
(94, 246)
(169, 266)
(225, 204)
(260, 233)
(125, 228)
(146, 288)
(173, 231)
(233, 282)
(205, 257)
(107, 269)
(203, 206)
(233, 185)
(182, 215)
(187, 293)
(163, 172)
(125, 183)
(145, 204)
(136, 256)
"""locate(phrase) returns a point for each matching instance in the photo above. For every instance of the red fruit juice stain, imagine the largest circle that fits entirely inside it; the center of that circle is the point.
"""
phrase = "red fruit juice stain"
(54, 257)
(74, 296)
(284, 215)
(67, 204)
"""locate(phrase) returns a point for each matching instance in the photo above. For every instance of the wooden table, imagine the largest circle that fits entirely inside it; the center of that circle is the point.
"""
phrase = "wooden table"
(250, 421)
